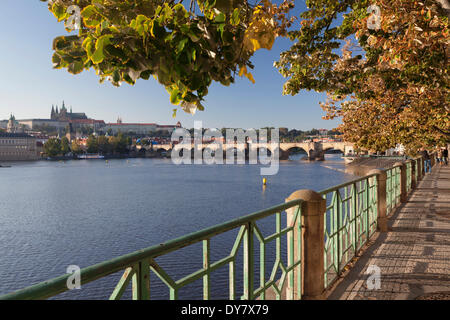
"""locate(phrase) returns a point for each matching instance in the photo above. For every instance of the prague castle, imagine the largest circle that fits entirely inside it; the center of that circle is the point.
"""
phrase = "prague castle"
(64, 120)
(64, 115)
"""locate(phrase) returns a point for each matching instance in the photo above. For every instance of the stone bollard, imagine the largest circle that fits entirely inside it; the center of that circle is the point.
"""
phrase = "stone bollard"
(403, 181)
(313, 245)
(413, 173)
(381, 199)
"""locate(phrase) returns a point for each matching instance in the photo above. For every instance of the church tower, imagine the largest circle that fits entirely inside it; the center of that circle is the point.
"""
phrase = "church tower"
(52, 115)
(11, 128)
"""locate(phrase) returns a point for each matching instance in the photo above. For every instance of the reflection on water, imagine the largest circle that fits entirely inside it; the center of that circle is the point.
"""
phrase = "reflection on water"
(56, 214)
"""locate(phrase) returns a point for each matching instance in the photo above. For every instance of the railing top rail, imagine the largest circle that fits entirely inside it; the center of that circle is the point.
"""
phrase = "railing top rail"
(345, 184)
(58, 285)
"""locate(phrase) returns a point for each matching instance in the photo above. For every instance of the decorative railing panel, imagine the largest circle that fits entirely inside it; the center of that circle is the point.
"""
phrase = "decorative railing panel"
(350, 220)
(392, 188)
(408, 176)
(138, 266)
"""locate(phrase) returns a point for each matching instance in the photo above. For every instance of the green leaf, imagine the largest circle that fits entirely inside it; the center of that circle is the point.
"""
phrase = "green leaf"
(220, 18)
(234, 20)
(174, 99)
(90, 16)
(181, 45)
(76, 67)
(99, 55)
(59, 11)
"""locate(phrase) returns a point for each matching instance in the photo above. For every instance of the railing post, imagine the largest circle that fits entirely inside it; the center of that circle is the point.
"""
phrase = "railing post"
(422, 167)
(248, 262)
(413, 173)
(313, 217)
(141, 281)
(381, 199)
(294, 251)
(403, 180)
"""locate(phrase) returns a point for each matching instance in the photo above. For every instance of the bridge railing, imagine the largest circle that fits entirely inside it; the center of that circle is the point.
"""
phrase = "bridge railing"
(324, 231)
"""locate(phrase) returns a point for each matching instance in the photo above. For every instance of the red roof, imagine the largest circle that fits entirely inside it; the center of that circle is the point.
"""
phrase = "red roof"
(132, 124)
(89, 121)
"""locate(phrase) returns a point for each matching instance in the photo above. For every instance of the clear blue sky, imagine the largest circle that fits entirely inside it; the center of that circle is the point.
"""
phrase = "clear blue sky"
(29, 85)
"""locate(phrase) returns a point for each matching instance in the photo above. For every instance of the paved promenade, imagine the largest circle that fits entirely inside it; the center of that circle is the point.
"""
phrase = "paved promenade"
(414, 256)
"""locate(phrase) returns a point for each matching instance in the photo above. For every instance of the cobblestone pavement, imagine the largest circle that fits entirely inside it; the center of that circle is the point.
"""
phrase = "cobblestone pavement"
(414, 256)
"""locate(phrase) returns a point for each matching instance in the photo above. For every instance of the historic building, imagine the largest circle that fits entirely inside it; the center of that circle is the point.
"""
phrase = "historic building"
(137, 128)
(64, 121)
(18, 147)
(33, 124)
(65, 115)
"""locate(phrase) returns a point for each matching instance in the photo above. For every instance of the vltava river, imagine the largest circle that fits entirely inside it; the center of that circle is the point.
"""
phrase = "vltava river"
(56, 214)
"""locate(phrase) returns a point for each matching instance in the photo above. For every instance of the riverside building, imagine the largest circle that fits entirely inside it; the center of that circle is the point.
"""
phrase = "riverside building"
(17, 147)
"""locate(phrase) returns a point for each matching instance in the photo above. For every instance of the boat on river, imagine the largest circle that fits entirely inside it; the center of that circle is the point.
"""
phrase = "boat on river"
(90, 156)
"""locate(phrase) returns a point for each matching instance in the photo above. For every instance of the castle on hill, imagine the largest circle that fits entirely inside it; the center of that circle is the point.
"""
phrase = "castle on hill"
(64, 120)
(65, 115)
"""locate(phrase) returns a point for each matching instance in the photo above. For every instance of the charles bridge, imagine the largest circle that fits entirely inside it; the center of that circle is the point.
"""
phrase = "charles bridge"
(314, 150)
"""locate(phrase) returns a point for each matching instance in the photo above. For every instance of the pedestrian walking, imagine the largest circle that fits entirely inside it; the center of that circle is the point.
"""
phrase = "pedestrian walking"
(427, 160)
(445, 156)
(439, 155)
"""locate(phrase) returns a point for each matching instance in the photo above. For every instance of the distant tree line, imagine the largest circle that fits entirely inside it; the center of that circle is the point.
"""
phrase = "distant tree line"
(95, 144)
(108, 145)
(57, 147)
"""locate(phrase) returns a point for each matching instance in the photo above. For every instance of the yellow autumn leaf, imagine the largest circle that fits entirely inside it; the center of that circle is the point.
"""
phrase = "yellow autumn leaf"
(243, 71)
(250, 77)
(261, 32)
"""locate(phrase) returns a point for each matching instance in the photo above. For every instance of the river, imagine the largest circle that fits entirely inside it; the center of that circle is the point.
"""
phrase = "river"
(56, 214)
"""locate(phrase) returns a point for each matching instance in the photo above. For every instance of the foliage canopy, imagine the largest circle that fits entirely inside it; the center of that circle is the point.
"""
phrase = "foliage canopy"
(185, 50)
(389, 84)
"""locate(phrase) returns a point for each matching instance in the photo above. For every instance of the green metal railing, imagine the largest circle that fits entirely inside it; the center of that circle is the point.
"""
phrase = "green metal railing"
(350, 220)
(393, 177)
(416, 173)
(408, 176)
(137, 266)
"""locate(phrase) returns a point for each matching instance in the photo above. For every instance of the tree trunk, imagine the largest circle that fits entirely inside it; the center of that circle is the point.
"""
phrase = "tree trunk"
(445, 5)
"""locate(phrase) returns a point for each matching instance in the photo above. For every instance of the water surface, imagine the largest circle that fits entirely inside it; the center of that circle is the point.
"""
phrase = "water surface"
(56, 214)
